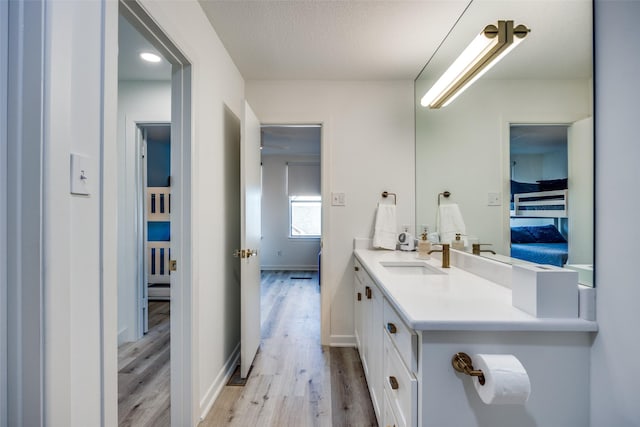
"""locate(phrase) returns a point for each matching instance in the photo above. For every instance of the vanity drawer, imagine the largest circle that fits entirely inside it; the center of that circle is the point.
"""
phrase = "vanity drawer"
(401, 387)
(404, 338)
(389, 418)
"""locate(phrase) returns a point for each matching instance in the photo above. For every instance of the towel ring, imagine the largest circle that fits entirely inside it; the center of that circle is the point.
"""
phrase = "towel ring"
(386, 194)
(446, 194)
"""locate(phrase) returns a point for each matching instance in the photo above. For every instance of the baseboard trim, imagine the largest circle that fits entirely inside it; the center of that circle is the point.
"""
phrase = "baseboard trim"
(289, 267)
(342, 341)
(123, 336)
(218, 384)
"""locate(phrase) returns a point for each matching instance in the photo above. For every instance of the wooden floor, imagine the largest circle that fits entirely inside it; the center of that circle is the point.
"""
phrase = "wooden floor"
(144, 374)
(295, 381)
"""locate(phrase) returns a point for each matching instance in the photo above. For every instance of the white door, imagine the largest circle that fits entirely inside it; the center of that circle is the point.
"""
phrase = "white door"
(250, 233)
(580, 153)
(143, 279)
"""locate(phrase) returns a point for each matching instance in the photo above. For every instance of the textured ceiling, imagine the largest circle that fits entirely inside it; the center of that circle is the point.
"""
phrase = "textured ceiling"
(288, 140)
(130, 66)
(378, 39)
(331, 40)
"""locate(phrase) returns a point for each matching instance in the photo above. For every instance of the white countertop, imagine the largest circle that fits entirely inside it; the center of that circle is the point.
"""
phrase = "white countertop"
(455, 301)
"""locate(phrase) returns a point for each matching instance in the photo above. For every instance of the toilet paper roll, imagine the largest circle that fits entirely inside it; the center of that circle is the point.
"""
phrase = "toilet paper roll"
(506, 380)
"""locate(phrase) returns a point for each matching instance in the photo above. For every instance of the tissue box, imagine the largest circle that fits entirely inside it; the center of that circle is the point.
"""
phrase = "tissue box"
(545, 290)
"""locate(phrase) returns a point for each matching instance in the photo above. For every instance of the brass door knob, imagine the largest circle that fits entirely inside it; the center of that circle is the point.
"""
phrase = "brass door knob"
(391, 328)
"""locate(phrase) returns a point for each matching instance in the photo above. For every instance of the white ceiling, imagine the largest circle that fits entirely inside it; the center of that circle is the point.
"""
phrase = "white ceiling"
(331, 40)
(373, 40)
(294, 140)
(537, 139)
(130, 66)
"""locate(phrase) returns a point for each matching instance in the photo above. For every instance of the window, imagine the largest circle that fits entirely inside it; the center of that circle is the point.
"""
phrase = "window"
(305, 216)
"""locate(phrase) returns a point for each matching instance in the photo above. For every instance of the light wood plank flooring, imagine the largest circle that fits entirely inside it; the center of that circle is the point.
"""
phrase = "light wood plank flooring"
(144, 374)
(295, 381)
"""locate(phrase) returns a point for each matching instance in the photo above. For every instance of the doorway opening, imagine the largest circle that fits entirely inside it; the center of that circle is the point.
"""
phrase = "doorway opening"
(155, 284)
(539, 169)
(155, 378)
(291, 209)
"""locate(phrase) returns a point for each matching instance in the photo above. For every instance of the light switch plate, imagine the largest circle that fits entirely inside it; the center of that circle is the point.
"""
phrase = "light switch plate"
(493, 199)
(81, 176)
(338, 199)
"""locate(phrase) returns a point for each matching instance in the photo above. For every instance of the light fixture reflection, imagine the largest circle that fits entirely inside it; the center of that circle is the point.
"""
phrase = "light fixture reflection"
(150, 57)
(489, 47)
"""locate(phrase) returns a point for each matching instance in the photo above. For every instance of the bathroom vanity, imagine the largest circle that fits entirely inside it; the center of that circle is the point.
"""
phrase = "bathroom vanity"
(412, 317)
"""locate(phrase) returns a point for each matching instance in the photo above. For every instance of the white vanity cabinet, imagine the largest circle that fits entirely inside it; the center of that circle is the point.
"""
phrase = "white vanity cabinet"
(369, 333)
(388, 350)
(408, 329)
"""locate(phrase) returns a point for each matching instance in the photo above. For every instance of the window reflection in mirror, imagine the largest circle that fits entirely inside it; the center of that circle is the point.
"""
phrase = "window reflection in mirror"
(469, 147)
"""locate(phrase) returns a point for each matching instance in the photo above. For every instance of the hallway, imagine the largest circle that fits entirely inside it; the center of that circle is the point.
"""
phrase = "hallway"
(295, 381)
(144, 374)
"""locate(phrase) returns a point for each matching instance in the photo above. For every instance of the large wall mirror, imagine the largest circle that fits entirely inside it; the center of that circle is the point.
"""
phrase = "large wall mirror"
(515, 150)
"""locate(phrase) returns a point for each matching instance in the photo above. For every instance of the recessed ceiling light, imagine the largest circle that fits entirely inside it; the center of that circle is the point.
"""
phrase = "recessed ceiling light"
(150, 57)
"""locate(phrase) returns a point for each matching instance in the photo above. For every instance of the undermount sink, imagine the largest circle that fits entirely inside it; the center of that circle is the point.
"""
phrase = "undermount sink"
(411, 268)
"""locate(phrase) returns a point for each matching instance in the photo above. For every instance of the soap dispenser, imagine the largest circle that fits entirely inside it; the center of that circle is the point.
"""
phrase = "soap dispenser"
(424, 245)
(457, 243)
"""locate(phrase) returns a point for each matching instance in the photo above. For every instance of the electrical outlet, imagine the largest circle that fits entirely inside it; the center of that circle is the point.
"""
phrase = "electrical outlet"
(493, 199)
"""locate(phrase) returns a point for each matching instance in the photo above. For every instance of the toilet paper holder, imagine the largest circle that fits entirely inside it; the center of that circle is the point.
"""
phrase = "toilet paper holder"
(462, 363)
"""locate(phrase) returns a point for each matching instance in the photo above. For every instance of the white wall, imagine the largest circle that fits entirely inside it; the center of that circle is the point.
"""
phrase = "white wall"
(73, 383)
(217, 94)
(138, 101)
(614, 387)
(4, 60)
(278, 251)
(452, 156)
(71, 224)
(367, 148)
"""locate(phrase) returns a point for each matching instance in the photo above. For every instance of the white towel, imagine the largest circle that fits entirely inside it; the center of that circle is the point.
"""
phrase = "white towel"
(385, 232)
(450, 222)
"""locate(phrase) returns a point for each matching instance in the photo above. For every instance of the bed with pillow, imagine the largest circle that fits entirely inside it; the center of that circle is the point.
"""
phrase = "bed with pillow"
(542, 244)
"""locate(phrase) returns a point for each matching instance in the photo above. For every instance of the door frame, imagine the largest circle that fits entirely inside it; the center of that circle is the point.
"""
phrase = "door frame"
(325, 174)
(4, 55)
(22, 202)
(142, 261)
(507, 120)
(184, 370)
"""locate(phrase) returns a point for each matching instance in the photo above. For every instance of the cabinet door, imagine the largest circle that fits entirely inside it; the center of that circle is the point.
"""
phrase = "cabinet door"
(358, 302)
(376, 348)
(401, 387)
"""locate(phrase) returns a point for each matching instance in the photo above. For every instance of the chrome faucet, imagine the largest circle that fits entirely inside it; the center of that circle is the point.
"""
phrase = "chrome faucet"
(475, 248)
(445, 254)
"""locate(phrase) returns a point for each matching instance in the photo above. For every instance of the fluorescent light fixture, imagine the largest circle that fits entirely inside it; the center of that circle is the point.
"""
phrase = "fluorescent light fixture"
(150, 57)
(489, 47)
